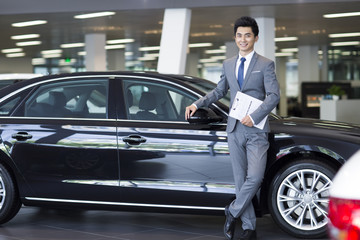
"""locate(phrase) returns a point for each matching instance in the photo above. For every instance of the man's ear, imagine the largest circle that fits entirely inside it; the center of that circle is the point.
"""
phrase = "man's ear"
(256, 38)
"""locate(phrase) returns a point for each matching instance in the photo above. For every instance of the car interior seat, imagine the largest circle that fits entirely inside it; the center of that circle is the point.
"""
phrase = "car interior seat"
(58, 101)
(147, 103)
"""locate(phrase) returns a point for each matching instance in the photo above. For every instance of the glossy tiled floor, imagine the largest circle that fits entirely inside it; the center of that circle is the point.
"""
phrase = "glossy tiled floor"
(35, 223)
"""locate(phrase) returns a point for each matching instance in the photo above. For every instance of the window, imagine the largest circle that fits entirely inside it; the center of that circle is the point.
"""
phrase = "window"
(155, 101)
(70, 99)
(6, 108)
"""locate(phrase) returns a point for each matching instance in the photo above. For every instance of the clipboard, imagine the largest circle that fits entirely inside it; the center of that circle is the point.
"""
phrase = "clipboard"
(244, 105)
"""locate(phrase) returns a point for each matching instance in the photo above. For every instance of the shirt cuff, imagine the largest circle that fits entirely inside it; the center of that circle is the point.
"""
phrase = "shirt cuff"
(194, 105)
(252, 120)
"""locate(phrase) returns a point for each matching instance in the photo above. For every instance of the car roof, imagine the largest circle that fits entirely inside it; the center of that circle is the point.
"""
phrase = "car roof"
(183, 79)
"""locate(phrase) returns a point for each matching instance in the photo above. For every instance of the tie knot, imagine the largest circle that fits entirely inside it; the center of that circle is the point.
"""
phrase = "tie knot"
(243, 59)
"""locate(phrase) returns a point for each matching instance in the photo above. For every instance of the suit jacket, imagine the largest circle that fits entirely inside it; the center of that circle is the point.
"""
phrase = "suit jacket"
(260, 82)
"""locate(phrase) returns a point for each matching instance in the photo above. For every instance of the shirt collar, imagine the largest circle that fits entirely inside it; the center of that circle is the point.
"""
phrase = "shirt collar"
(247, 57)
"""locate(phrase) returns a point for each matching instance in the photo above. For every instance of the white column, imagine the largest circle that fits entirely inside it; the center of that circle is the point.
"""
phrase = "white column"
(116, 60)
(325, 64)
(308, 64)
(174, 41)
(266, 44)
(95, 59)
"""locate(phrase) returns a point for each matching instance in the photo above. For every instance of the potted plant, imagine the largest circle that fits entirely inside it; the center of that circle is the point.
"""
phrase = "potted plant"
(336, 91)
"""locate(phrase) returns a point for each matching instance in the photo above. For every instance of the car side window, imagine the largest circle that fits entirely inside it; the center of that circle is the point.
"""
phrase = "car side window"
(69, 99)
(155, 101)
(6, 108)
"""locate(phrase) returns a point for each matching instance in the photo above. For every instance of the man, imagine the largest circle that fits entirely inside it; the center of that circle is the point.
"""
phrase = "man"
(253, 75)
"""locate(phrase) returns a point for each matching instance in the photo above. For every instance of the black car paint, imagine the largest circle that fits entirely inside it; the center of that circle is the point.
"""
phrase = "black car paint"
(152, 174)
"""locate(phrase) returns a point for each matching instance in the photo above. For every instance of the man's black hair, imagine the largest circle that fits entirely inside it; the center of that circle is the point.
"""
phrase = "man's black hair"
(247, 22)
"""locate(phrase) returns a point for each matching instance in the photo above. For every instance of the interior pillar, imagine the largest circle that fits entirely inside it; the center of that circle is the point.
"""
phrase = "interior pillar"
(95, 59)
(174, 41)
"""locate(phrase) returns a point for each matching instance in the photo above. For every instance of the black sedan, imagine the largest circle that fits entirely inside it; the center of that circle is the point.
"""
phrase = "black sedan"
(119, 140)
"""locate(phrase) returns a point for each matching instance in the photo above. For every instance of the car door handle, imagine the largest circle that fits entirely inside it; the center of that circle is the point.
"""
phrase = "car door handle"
(21, 136)
(134, 140)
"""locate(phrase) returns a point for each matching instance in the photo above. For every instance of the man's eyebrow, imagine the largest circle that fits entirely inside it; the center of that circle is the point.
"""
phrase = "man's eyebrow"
(249, 33)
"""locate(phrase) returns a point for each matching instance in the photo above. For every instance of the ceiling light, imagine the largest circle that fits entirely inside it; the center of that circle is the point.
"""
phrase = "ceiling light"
(338, 44)
(290, 50)
(154, 48)
(339, 15)
(94, 15)
(153, 31)
(38, 61)
(30, 43)
(83, 53)
(152, 55)
(214, 64)
(118, 46)
(194, 45)
(285, 39)
(11, 55)
(348, 53)
(218, 57)
(203, 34)
(29, 23)
(25, 36)
(11, 50)
(339, 35)
(207, 60)
(146, 58)
(120, 41)
(54, 51)
(284, 54)
(72, 45)
(215, 51)
(54, 55)
(335, 51)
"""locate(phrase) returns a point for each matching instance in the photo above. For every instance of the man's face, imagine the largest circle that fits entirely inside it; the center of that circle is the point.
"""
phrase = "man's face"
(245, 40)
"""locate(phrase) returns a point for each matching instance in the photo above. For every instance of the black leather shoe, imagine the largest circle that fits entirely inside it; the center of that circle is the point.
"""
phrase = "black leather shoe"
(248, 235)
(229, 226)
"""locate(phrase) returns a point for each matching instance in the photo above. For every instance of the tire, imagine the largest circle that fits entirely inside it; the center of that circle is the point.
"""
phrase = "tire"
(298, 210)
(9, 197)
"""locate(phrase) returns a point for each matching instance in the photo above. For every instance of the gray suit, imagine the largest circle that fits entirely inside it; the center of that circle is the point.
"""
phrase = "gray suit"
(247, 145)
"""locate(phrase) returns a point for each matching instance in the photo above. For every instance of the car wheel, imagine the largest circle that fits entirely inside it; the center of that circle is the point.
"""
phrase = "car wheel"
(299, 197)
(9, 198)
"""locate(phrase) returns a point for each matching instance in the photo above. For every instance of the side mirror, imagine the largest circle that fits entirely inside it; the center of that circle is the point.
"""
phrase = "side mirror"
(204, 116)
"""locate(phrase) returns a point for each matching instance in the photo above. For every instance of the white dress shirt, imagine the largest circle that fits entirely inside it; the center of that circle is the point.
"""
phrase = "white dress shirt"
(246, 63)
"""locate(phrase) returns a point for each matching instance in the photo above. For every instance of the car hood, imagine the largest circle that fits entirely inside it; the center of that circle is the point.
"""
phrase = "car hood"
(317, 128)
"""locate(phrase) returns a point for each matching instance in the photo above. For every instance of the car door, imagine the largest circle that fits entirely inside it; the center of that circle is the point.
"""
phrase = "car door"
(165, 161)
(63, 140)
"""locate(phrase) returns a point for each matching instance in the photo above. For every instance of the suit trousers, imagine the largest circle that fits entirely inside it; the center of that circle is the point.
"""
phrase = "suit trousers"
(248, 154)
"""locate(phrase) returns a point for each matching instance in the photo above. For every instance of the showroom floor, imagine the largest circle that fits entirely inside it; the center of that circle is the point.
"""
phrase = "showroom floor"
(35, 223)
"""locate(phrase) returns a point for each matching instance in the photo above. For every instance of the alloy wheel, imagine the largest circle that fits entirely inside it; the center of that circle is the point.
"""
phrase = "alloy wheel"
(303, 198)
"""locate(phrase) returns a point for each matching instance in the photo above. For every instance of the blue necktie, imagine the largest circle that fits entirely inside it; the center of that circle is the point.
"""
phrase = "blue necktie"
(241, 72)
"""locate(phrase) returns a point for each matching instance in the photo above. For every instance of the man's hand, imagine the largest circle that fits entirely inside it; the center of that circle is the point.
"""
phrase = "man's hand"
(247, 121)
(189, 111)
